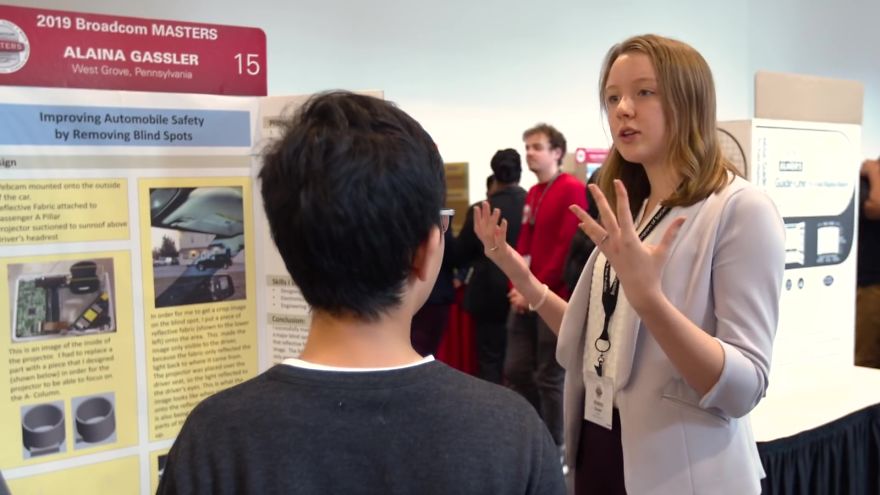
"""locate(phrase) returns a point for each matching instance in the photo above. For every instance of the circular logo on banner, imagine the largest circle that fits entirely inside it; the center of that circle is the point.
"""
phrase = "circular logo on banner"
(14, 47)
(580, 156)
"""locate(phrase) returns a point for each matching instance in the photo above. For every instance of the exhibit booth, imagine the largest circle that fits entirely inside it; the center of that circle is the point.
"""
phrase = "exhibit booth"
(818, 427)
(138, 276)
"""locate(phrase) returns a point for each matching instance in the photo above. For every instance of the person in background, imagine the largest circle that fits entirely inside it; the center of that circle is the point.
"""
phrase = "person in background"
(545, 234)
(485, 297)
(353, 192)
(667, 338)
(581, 246)
(491, 185)
(429, 324)
(868, 272)
(465, 270)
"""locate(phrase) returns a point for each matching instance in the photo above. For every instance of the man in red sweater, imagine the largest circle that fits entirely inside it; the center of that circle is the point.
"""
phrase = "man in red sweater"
(546, 233)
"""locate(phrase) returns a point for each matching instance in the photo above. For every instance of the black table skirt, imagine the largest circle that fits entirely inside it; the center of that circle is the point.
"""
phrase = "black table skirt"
(839, 458)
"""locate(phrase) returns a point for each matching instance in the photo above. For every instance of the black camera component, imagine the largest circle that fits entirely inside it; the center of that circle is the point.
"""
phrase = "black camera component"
(84, 277)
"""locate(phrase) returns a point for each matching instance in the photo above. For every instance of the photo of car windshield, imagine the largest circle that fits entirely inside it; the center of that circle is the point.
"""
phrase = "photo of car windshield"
(197, 236)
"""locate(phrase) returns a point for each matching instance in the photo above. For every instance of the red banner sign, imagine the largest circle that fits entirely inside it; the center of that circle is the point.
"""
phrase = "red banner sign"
(68, 49)
(590, 155)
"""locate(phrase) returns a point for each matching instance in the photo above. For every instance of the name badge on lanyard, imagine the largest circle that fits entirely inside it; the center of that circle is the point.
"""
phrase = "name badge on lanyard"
(599, 400)
(599, 397)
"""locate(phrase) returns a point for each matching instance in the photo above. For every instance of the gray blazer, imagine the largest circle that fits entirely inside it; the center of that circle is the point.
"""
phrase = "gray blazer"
(724, 273)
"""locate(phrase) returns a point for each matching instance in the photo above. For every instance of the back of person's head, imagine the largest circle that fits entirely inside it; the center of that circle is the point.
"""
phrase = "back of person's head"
(351, 189)
(554, 137)
(687, 93)
(506, 166)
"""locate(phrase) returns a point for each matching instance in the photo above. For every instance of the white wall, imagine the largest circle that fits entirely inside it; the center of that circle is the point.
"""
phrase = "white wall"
(839, 39)
(476, 74)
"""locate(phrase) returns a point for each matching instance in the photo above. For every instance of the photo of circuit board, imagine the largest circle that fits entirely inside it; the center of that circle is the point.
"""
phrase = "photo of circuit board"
(62, 298)
(31, 308)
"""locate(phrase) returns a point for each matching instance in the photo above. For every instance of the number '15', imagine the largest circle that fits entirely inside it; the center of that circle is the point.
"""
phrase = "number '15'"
(248, 62)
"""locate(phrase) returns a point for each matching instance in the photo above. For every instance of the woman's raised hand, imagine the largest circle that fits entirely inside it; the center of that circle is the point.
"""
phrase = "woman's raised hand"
(638, 265)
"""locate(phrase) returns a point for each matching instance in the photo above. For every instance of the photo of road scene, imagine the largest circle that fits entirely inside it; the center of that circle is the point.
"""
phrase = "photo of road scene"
(197, 238)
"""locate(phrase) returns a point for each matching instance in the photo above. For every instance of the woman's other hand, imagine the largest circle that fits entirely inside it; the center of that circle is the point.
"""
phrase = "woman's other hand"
(491, 229)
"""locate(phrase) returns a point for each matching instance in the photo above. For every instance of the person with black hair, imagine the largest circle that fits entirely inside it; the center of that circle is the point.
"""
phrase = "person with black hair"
(353, 193)
(581, 245)
(485, 297)
(431, 321)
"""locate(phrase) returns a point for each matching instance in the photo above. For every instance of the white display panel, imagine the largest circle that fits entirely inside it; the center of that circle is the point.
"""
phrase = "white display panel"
(810, 170)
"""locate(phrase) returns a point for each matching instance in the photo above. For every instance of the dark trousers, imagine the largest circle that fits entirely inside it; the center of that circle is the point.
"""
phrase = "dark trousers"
(531, 368)
(491, 340)
(599, 463)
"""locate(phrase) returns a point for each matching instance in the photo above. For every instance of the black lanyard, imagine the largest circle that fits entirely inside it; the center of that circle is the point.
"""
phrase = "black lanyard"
(534, 215)
(610, 291)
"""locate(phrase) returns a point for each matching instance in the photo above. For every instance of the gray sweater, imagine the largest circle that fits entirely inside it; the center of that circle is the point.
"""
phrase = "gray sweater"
(426, 429)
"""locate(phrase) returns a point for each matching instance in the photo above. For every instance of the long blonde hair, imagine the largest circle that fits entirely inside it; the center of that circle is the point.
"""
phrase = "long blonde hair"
(687, 93)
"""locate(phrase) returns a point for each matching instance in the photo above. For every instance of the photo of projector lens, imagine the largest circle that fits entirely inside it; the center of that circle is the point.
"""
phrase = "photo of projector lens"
(42, 429)
(95, 419)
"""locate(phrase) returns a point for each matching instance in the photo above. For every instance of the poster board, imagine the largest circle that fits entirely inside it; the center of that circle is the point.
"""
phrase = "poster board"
(127, 276)
(128, 239)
